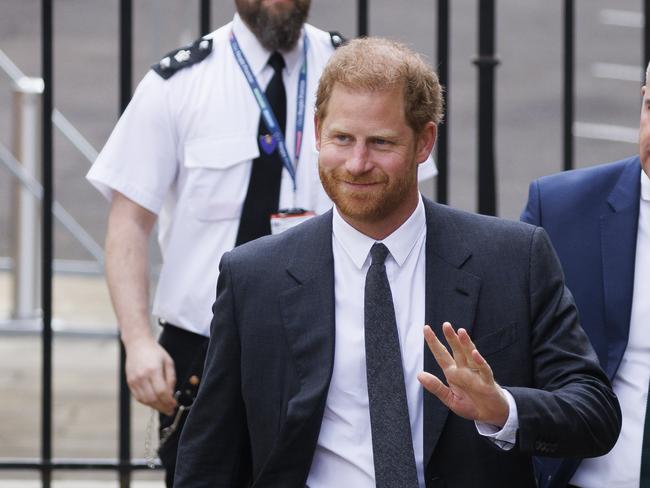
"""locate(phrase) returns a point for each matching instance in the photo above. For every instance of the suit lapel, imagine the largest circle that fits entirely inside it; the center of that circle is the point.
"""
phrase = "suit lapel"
(308, 317)
(451, 294)
(618, 225)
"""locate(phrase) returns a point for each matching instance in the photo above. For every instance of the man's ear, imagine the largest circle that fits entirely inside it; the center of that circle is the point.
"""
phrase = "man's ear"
(425, 142)
(317, 132)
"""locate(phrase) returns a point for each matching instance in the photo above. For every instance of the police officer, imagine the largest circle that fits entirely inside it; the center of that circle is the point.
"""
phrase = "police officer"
(183, 153)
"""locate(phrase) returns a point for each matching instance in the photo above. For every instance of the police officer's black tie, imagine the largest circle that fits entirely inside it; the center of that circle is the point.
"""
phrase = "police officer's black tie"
(263, 192)
(392, 445)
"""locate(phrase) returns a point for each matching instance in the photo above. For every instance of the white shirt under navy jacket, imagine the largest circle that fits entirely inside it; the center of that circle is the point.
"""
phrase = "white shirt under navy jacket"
(621, 467)
(343, 454)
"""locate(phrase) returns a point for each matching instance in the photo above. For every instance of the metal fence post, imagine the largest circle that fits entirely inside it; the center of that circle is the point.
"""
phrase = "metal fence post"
(47, 237)
(486, 64)
(204, 17)
(126, 75)
(442, 143)
(362, 18)
(26, 252)
(568, 82)
(646, 38)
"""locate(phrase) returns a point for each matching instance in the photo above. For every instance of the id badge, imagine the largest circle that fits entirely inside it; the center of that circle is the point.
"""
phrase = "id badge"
(288, 218)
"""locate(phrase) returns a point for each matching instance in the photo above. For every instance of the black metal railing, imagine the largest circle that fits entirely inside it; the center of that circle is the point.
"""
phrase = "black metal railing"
(568, 72)
(646, 37)
(442, 143)
(486, 63)
(126, 82)
(47, 48)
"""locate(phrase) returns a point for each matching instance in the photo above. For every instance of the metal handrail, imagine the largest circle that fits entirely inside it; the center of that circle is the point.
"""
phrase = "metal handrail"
(62, 215)
(78, 141)
(10, 68)
(74, 136)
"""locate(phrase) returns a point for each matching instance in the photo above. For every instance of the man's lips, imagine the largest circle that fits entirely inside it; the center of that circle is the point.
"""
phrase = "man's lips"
(360, 182)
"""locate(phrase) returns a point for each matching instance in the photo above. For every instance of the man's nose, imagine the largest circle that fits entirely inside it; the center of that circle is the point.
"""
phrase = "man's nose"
(358, 162)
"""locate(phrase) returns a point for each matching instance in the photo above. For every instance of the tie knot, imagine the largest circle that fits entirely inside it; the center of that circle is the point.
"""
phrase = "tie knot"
(276, 61)
(378, 253)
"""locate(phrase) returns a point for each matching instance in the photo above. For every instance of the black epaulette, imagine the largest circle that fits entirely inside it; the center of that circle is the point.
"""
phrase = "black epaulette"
(183, 57)
(337, 39)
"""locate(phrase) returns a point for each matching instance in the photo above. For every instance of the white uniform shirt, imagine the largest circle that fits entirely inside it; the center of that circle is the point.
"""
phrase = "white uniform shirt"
(343, 455)
(183, 149)
(621, 467)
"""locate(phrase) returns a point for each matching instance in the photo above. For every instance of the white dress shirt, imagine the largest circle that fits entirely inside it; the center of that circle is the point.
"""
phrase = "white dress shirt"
(343, 455)
(621, 467)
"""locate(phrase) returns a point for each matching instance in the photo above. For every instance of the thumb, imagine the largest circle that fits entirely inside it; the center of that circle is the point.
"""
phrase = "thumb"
(169, 372)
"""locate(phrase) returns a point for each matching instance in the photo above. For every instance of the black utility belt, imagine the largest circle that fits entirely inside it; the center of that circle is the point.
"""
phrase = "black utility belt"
(187, 385)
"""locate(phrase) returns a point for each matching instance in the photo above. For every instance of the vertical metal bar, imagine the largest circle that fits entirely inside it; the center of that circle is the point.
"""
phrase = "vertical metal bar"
(47, 43)
(204, 17)
(362, 18)
(486, 63)
(126, 63)
(442, 182)
(646, 36)
(569, 99)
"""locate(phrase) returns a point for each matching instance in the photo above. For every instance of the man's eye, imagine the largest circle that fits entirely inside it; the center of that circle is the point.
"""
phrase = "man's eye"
(342, 138)
(381, 142)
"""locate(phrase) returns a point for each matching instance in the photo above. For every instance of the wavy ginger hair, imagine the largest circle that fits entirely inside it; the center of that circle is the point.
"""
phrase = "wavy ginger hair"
(374, 63)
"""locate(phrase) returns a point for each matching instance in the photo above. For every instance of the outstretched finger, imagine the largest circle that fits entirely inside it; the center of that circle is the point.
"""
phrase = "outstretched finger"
(468, 347)
(439, 351)
(484, 369)
(454, 343)
(433, 385)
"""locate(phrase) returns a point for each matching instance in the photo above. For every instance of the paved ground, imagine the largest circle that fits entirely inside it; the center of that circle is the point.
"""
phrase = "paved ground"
(529, 114)
(85, 384)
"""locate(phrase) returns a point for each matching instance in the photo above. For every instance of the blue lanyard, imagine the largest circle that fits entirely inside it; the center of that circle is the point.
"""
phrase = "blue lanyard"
(269, 117)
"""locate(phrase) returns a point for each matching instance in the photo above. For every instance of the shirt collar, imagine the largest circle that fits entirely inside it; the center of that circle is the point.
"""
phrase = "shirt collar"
(645, 186)
(400, 243)
(256, 55)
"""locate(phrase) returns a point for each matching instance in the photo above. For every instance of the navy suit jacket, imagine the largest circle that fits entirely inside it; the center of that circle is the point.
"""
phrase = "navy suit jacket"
(259, 409)
(591, 216)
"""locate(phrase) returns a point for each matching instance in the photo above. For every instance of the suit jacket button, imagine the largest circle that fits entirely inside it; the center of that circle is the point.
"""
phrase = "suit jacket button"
(436, 482)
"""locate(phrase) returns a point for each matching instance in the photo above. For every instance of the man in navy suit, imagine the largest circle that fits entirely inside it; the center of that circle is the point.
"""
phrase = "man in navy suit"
(598, 220)
(316, 365)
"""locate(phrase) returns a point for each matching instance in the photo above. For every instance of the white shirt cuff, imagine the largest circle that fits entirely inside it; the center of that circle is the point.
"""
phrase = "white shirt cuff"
(506, 436)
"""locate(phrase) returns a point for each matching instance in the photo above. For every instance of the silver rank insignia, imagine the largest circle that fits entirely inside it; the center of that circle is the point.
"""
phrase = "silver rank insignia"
(182, 55)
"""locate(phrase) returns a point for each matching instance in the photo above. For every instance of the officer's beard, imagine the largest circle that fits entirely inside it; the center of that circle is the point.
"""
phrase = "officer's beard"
(277, 27)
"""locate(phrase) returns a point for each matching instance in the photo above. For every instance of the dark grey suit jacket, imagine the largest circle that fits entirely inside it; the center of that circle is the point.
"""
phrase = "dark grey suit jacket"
(258, 412)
